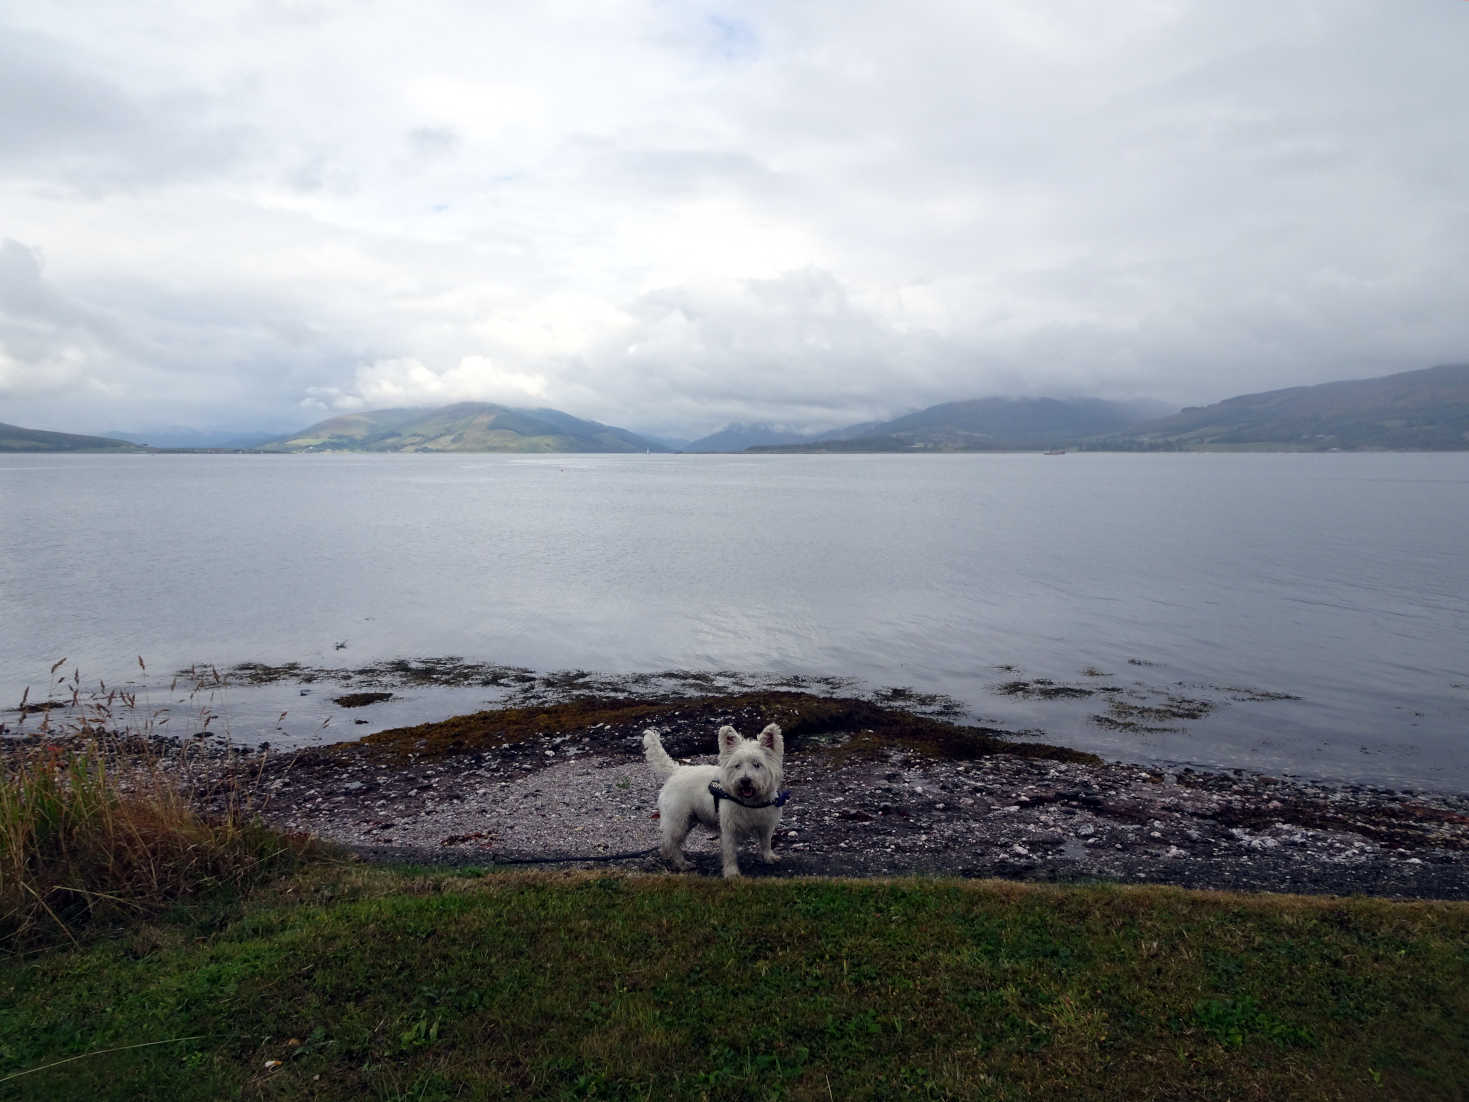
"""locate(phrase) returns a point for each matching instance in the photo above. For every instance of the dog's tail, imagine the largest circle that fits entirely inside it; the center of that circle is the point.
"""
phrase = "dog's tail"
(658, 759)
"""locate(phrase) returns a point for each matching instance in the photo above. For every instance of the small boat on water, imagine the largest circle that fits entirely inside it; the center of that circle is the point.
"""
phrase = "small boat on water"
(1055, 451)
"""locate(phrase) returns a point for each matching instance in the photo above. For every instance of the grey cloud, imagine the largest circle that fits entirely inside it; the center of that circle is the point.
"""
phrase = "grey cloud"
(321, 172)
(35, 316)
(178, 357)
(64, 123)
(794, 348)
(433, 141)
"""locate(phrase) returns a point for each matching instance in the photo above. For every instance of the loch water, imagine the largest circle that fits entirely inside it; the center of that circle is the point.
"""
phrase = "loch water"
(1315, 604)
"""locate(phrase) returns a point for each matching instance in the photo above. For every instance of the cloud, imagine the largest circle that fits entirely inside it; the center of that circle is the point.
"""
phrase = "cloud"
(67, 126)
(668, 215)
(49, 345)
(407, 382)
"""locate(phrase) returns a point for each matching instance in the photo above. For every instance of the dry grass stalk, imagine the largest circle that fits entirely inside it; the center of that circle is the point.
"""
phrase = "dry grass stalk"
(96, 823)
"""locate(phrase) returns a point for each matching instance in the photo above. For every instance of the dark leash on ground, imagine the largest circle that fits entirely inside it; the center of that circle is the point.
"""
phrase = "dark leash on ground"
(714, 790)
(573, 857)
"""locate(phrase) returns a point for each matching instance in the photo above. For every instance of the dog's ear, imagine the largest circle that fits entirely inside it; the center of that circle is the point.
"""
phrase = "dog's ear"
(729, 740)
(771, 739)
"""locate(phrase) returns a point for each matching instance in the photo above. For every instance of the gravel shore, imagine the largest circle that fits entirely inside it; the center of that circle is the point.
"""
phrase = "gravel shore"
(874, 792)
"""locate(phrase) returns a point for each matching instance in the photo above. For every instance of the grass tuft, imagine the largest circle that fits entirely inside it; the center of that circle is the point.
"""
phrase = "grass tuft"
(96, 826)
(88, 836)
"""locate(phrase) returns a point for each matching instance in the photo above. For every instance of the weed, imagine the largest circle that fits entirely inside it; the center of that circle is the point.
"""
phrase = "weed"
(1233, 1021)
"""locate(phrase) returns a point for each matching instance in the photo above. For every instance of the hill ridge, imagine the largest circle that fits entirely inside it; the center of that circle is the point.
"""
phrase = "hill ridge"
(462, 427)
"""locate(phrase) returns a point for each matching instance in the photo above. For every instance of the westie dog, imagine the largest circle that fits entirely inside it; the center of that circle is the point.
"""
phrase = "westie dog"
(748, 780)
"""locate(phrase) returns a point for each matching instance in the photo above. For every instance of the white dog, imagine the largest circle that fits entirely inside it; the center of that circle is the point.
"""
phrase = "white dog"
(748, 799)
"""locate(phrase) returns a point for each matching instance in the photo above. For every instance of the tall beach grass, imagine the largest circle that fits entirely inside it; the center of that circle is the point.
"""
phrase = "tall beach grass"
(97, 825)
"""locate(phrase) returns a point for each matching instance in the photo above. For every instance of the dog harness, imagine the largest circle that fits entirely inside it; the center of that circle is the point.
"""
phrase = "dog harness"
(720, 794)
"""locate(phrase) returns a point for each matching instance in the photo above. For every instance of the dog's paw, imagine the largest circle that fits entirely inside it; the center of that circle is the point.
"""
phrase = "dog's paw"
(731, 871)
(770, 858)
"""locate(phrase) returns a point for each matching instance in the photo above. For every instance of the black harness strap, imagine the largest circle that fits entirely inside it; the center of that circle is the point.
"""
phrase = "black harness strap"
(720, 794)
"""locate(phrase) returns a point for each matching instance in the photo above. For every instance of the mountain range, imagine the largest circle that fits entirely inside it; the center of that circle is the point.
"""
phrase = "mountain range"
(1411, 410)
(982, 424)
(737, 436)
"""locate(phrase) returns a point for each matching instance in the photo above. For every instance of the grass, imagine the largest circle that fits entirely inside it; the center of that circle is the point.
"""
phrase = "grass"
(88, 837)
(96, 827)
(354, 982)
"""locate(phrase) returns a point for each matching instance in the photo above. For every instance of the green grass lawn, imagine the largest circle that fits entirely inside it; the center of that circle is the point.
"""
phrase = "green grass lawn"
(354, 982)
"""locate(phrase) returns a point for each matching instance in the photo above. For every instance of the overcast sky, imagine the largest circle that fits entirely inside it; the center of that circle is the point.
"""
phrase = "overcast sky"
(669, 215)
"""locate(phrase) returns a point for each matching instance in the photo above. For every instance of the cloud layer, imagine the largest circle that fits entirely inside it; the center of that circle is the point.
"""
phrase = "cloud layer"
(672, 216)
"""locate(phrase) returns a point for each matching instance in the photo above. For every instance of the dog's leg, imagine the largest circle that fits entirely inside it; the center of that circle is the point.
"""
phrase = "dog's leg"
(767, 832)
(727, 842)
(674, 832)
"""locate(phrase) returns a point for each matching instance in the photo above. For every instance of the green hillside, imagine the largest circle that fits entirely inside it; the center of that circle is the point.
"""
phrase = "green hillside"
(981, 424)
(465, 427)
(1414, 410)
(13, 438)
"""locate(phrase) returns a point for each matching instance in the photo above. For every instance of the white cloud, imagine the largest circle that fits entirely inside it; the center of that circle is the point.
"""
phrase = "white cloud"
(407, 382)
(667, 215)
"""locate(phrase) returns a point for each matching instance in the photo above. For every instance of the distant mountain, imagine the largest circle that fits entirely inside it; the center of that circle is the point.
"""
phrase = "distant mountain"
(1412, 410)
(737, 436)
(666, 443)
(984, 424)
(465, 427)
(175, 436)
(13, 438)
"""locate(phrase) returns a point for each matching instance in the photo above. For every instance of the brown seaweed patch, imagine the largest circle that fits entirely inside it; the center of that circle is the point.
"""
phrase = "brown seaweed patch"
(934, 704)
(1043, 689)
(360, 700)
(1131, 726)
(35, 707)
(832, 724)
(450, 670)
(1251, 696)
(1152, 718)
(260, 673)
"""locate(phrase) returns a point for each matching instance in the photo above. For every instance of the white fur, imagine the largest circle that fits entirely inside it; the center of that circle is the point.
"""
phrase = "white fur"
(748, 768)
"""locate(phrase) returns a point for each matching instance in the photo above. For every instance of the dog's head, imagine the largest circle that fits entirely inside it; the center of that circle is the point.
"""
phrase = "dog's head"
(752, 766)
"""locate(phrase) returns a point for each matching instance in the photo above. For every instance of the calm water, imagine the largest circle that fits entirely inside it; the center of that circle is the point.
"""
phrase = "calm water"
(1340, 579)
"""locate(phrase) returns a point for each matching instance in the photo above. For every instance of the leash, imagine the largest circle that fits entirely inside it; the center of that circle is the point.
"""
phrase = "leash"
(720, 794)
(573, 857)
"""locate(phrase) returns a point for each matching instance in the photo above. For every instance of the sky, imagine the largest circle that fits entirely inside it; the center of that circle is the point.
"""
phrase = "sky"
(671, 215)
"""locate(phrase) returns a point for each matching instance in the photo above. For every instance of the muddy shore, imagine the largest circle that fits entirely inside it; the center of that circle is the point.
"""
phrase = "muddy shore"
(875, 791)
